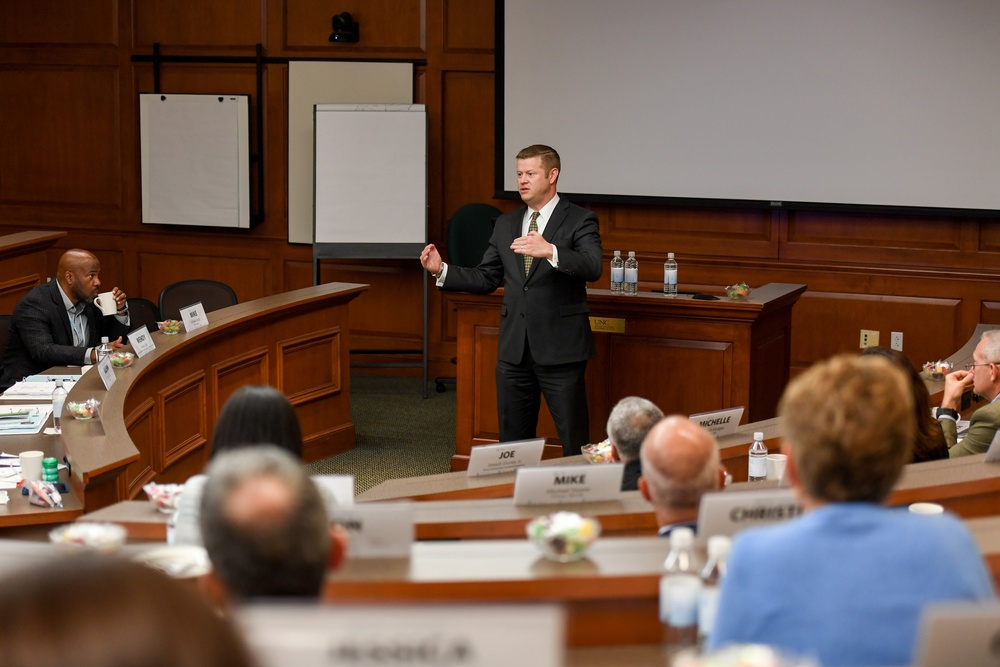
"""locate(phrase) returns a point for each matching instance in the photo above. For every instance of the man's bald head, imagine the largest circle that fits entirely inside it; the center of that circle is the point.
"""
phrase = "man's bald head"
(680, 462)
(77, 273)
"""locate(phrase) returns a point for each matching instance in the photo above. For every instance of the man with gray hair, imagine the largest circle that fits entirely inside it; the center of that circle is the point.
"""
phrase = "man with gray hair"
(265, 527)
(628, 424)
(983, 377)
(680, 462)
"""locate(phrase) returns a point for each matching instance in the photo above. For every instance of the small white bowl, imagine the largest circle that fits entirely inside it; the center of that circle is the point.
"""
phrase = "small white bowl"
(163, 496)
(563, 536)
(90, 535)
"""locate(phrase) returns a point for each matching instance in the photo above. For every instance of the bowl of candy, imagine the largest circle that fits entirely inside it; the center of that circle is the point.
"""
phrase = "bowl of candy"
(170, 327)
(936, 370)
(121, 359)
(563, 536)
(90, 535)
(738, 292)
(83, 409)
(598, 452)
(163, 496)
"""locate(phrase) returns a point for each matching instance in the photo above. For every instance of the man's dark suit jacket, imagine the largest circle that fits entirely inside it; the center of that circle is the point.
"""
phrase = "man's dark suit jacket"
(548, 307)
(41, 336)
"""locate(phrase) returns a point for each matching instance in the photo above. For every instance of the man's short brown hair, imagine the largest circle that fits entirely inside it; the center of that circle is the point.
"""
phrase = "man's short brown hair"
(849, 421)
(549, 156)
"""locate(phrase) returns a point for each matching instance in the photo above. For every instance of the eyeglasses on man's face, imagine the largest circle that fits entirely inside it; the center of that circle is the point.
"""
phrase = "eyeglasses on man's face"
(972, 366)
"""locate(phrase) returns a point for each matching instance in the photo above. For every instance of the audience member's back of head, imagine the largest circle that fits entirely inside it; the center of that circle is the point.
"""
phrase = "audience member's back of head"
(930, 443)
(254, 415)
(264, 525)
(680, 462)
(628, 424)
(99, 611)
(849, 422)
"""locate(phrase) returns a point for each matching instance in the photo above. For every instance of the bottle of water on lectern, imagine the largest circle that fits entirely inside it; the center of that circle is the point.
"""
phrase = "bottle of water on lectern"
(670, 275)
(58, 399)
(679, 587)
(757, 465)
(631, 274)
(617, 273)
(104, 349)
(711, 578)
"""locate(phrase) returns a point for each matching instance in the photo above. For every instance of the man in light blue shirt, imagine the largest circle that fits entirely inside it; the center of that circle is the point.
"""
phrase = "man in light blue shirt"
(846, 582)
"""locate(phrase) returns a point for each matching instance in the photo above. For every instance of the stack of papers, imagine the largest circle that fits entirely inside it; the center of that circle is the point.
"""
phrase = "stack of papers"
(23, 419)
(35, 390)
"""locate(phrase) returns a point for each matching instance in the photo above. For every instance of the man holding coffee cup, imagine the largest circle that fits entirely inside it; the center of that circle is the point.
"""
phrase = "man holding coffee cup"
(60, 323)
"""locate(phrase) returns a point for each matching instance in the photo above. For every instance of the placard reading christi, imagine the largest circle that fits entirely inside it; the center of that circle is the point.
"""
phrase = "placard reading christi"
(993, 453)
(107, 371)
(377, 530)
(727, 512)
(568, 484)
(720, 422)
(194, 317)
(471, 635)
(505, 456)
(141, 341)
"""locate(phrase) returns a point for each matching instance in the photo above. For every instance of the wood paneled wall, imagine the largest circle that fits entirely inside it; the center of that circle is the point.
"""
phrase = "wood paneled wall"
(70, 161)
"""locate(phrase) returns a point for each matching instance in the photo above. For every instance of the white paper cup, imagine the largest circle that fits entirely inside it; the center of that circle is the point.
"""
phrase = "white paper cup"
(926, 508)
(31, 465)
(106, 302)
(776, 466)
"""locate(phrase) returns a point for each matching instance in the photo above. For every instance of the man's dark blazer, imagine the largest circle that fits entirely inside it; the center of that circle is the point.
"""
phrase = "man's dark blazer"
(548, 307)
(41, 337)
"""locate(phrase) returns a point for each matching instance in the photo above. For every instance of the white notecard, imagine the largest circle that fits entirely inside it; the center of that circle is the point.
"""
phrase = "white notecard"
(720, 422)
(568, 484)
(505, 456)
(376, 530)
(107, 371)
(194, 317)
(141, 341)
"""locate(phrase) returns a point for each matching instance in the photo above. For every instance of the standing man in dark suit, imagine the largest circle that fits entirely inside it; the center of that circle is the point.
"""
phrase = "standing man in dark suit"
(57, 323)
(545, 252)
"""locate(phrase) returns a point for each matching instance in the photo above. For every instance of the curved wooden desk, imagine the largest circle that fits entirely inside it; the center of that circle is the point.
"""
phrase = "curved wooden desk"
(158, 416)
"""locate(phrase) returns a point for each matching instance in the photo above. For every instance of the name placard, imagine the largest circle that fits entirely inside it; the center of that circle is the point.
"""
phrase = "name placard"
(993, 453)
(194, 316)
(505, 456)
(473, 635)
(141, 341)
(335, 489)
(107, 371)
(568, 484)
(727, 512)
(720, 422)
(377, 530)
(608, 324)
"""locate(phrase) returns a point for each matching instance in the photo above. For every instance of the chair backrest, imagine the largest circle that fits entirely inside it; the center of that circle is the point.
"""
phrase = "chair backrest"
(143, 312)
(213, 295)
(4, 334)
(469, 233)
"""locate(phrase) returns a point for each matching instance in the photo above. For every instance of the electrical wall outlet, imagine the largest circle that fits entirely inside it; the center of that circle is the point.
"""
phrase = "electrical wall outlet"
(896, 340)
(869, 338)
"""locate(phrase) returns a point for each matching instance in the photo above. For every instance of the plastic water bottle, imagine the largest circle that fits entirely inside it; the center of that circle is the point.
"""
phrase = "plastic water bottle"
(631, 274)
(757, 465)
(670, 275)
(711, 578)
(103, 350)
(617, 272)
(679, 589)
(58, 399)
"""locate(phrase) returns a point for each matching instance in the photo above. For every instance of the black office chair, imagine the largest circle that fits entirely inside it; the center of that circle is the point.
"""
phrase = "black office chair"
(469, 232)
(213, 295)
(143, 312)
(4, 335)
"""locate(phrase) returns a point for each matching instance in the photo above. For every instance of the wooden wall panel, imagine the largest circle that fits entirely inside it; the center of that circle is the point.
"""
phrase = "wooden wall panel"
(60, 130)
(469, 26)
(247, 276)
(185, 429)
(59, 23)
(195, 23)
(142, 425)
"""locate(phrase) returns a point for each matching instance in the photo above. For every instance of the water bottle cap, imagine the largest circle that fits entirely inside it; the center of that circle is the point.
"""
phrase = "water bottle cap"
(758, 435)
(104, 339)
(631, 253)
(681, 537)
(718, 546)
(670, 255)
(618, 253)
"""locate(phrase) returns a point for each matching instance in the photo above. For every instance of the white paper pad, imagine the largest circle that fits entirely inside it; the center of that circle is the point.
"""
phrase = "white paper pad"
(29, 423)
(30, 390)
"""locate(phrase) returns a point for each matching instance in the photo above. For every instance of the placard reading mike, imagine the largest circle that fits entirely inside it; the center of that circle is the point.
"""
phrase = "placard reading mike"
(568, 484)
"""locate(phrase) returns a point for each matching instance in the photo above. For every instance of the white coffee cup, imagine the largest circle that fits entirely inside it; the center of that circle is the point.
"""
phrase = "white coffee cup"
(776, 466)
(106, 302)
(926, 508)
(31, 465)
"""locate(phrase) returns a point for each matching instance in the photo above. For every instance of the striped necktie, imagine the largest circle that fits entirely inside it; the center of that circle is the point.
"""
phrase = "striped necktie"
(532, 227)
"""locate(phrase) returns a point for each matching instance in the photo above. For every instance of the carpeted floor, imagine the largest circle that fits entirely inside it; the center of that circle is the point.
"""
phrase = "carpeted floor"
(398, 432)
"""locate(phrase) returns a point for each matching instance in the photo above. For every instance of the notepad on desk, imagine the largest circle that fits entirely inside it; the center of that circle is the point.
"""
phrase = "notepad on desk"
(23, 419)
(35, 390)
